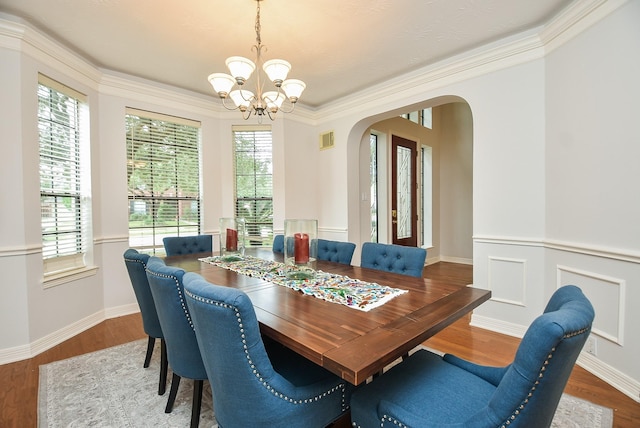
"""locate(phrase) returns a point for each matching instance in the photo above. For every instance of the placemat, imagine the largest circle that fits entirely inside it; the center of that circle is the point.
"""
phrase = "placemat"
(334, 288)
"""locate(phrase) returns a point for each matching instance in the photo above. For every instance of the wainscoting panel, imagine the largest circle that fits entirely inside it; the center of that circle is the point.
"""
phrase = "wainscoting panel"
(607, 295)
(507, 280)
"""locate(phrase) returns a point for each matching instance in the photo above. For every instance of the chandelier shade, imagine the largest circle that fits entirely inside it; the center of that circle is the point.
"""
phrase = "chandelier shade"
(222, 83)
(293, 88)
(277, 70)
(242, 99)
(241, 68)
(274, 100)
(257, 103)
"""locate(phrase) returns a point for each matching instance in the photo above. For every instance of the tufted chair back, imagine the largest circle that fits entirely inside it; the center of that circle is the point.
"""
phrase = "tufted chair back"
(255, 385)
(429, 390)
(180, 245)
(278, 244)
(335, 251)
(136, 264)
(393, 258)
(182, 346)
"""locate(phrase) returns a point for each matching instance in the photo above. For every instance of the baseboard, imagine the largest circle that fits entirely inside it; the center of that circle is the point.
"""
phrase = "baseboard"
(23, 352)
(503, 327)
(613, 377)
(120, 311)
(593, 365)
(456, 260)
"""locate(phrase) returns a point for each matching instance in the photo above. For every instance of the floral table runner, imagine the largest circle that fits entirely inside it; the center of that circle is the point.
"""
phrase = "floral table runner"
(327, 286)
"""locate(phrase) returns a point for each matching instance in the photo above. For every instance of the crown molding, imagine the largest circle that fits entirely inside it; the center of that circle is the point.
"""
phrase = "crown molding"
(17, 35)
(412, 88)
(146, 91)
(575, 19)
(407, 89)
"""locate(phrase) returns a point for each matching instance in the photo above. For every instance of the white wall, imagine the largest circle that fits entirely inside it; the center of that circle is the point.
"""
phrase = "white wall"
(456, 193)
(593, 193)
(554, 186)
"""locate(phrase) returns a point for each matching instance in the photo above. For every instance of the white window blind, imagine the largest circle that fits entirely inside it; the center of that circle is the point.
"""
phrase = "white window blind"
(163, 176)
(64, 176)
(254, 182)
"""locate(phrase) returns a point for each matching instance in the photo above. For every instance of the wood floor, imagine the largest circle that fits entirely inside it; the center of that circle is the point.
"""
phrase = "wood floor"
(19, 381)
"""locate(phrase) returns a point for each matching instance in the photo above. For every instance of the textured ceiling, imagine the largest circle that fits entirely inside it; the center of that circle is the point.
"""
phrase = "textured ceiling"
(335, 46)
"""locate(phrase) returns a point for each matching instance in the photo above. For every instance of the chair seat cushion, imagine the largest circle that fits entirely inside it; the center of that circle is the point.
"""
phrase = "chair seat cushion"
(422, 388)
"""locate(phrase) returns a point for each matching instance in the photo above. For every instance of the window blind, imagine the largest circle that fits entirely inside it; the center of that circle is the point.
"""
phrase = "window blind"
(163, 176)
(64, 175)
(254, 182)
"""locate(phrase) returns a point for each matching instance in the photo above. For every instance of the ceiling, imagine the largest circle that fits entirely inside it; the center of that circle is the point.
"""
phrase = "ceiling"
(336, 46)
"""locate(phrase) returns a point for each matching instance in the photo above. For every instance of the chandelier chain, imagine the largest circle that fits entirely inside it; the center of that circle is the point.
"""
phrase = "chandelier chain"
(258, 28)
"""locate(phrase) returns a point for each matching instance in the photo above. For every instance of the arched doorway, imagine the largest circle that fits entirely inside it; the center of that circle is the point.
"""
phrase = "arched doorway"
(444, 180)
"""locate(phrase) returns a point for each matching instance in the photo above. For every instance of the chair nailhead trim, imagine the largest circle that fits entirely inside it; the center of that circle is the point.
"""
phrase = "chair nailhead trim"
(392, 420)
(341, 387)
(182, 302)
(540, 375)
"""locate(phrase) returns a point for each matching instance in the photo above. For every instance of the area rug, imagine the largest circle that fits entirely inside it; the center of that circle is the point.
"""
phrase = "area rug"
(110, 388)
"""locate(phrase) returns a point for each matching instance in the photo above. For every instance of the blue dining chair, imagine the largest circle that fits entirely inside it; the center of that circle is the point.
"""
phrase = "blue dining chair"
(255, 386)
(393, 258)
(136, 264)
(182, 346)
(180, 245)
(429, 390)
(278, 244)
(336, 251)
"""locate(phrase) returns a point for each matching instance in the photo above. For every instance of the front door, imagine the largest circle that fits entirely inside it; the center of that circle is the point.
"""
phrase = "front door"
(404, 188)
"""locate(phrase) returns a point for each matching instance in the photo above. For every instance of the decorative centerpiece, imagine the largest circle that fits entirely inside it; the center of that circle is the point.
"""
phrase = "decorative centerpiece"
(300, 248)
(232, 238)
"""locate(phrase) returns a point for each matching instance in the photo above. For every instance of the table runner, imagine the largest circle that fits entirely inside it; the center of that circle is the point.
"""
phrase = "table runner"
(334, 288)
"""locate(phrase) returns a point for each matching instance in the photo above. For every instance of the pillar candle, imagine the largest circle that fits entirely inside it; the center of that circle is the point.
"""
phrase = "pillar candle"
(232, 240)
(301, 248)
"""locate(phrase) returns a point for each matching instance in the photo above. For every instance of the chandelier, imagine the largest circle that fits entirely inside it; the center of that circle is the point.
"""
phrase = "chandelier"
(259, 103)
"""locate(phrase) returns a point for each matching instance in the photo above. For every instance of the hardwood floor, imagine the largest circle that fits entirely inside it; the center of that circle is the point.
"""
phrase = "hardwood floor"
(19, 381)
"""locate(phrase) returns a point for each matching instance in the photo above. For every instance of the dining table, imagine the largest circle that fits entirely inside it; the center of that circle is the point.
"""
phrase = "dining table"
(353, 344)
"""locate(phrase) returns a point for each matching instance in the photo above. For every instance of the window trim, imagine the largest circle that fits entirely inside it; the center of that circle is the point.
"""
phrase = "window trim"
(65, 268)
(252, 129)
(157, 248)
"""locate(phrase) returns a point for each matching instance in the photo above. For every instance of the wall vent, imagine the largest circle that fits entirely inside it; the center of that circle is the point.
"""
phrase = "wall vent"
(326, 140)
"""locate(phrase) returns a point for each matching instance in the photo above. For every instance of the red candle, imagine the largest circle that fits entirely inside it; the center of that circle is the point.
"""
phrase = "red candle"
(232, 240)
(301, 248)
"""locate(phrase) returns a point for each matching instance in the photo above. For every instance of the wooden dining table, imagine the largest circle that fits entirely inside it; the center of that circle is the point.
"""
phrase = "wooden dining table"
(351, 343)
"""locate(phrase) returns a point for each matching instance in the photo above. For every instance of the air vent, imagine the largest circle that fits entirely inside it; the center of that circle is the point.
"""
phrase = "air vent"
(326, 140)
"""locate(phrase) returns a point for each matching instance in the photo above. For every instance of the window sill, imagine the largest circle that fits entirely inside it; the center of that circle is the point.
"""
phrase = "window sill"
(57, 278)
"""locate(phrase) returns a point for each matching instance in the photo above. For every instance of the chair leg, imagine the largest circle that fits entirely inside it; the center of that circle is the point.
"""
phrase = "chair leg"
(150, 344)
(197, 403)
(175, 383)
(164, 365)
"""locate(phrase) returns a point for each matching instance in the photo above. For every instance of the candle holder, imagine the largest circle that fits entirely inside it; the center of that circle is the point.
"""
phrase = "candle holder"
(300, 248)
(232, 238)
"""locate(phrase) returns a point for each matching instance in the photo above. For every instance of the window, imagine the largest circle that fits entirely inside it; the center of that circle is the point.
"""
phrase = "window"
(163, 176)
(65, 202)
(426, 184)
(422, 117)
(373, 174)
(254, 182)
